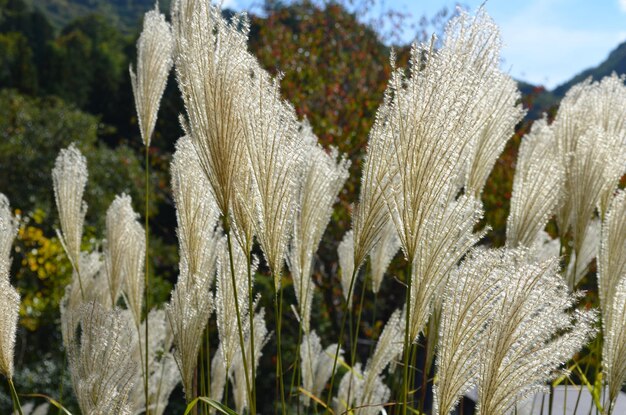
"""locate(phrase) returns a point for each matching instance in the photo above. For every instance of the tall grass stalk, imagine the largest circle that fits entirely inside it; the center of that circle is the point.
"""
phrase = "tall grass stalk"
(354, 340)
(147, 276)
(239, 325)
(407, 340)
(346, 311)
(278, 309)
(252, 400)
(15, 398)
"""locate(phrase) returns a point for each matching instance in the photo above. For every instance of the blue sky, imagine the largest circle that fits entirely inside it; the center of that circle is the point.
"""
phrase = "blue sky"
(546, 41)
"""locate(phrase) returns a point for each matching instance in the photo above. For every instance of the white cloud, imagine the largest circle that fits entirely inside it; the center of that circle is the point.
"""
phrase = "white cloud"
(622, 5)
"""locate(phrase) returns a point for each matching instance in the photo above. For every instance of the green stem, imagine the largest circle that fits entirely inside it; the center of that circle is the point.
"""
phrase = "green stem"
(340, 340)
(239, 325)
(278, 307)
(296, 366)
(355, 340)
(407, 342)
(16, 400)
(252, 401)
(147, 280)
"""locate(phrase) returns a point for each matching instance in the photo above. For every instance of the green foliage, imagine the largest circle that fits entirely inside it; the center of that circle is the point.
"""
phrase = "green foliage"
(16, 62)
(32, 132)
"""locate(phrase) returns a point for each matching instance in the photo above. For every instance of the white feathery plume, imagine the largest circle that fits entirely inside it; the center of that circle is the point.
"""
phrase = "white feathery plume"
(9, 297)
(69, 177)
(196, 212)
(592, 110)
(270, 132)
(212, 68)
(382, 254)
(345, 251)
(364, 391)
(370, 215)
(612, 254)
(612, 292)
(429, 169)
(532, 333)
(580, 261)
(349, 386)
(446, 238)
(8, 229)
(238, 370)
(164, 375)
(388, 348)
(320, 179)
(121, 232)
(545, 247)
(95, 288)
(225, 301)
(592, 164)
(471, 295)
(537, 186)
(188, 312)
(476, 39)
(133, 286)
(10, 307)
(351, 394)
(316, 365)
(614, 346)
(155, 48)
(100, 363)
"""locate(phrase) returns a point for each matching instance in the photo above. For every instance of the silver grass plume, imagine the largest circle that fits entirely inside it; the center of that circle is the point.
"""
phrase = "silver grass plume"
(612, 255)
(537, 186)
(614, 346)
(8, 229)
(364, 391)
(238, 371)
(593, 170)
(429, 169)
(133, 287)
(532, 334)
(101, 366)
(351, 397)
(594, 106)
(580, 261)
(545, 247)
(388, 348)
(316, 364)
(200, 240)
(476, 39)
(612, 292)
(350, 382)
(321, 177)
(445, 239)
(225, 301)
(212, 68)
(164, 375)
(382, 254)
(196, 212)
(470, 301)
(95, 289)
(10, 307)
(345, 252)
(122, 232)
(270, 132)
(188, 312)
(370, 215)
(9, 297)
(69, 177)
(155, 49)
